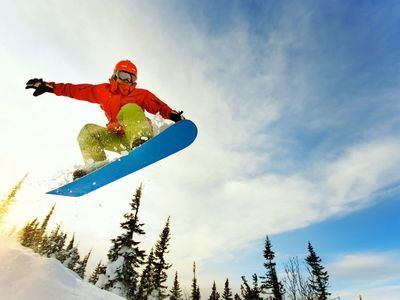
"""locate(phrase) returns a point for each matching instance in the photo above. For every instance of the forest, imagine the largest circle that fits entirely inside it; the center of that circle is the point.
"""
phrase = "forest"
(134, 274)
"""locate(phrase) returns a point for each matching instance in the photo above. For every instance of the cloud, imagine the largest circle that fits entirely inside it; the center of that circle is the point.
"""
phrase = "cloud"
(363, 169)
(372, 275)
(366, 266)
(224, 213)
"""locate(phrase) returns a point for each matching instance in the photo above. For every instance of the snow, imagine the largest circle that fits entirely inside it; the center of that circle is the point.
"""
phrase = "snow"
(111, 272)
(26, 275)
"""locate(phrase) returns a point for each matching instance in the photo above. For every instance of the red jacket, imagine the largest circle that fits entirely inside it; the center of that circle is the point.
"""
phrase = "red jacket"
(112, 96)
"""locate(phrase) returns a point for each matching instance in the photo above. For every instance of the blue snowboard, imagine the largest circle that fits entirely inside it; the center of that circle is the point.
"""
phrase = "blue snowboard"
(173, 139)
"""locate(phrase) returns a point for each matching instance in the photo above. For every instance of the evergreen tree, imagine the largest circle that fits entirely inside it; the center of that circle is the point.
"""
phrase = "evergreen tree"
(44, 245)
(27, 236)
(42, 238)
(271, 284)
(80, 267)
(34, 236)
(7, 202)
(55, 245)
(147, 279)
(125, 256)
(248, 292)
(318, 278)
(214, 294)
(227, 295)
(195, 295)
(256, 291)
(160, 265)
(100, 269)
(176, 292)
(71, 255)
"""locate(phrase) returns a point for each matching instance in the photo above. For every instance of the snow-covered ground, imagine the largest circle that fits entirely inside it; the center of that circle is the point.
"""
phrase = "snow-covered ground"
(26, 275)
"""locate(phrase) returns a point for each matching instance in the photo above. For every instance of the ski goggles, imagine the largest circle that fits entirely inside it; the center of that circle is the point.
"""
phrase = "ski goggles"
(125, 76)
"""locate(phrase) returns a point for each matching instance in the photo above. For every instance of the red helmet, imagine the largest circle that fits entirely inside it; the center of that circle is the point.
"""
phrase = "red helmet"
(127, 66)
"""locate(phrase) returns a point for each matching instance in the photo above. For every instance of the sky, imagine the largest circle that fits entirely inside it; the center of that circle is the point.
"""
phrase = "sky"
(297, 106)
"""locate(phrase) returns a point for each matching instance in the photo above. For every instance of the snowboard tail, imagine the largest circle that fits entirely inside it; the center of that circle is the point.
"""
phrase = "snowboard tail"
(173, 139)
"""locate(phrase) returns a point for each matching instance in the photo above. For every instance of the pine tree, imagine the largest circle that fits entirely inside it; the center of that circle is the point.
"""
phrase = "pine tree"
(125, 256)
(248, 292)
(72, 255)
(160, 265)
(318, 278)
(147, 279)
(41, 238)
(28, 234)
(195, 295)
(80, 267)
(176, 292)
(44, 245)
(256, 291)
(100, 269)
(214, 294)
(271, 284)
(227, 295)
(7, 202)
(55, 245)
(34, 236)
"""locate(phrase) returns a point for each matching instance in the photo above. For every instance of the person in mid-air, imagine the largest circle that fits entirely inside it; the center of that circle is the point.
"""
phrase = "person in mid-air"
(124, 107)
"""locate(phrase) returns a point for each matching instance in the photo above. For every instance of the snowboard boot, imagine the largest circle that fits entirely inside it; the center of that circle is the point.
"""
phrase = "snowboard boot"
(88, 169)
(139, 141)
(78, 174)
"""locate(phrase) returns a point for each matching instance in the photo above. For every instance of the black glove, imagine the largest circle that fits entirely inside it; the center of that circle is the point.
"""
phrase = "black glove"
(176, 116)
(40, 86)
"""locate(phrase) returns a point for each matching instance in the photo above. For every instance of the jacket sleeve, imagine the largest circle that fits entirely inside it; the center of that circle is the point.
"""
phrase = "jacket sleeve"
(154, 105)
(86, 92)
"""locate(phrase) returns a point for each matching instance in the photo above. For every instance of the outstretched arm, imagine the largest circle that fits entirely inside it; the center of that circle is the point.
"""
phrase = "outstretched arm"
(86, 92)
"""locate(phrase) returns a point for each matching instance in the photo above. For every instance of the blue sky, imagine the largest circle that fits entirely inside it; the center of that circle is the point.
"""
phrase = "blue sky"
(297, 105)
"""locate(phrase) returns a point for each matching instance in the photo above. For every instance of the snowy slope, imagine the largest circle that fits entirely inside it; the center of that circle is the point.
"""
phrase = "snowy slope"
(26, 275)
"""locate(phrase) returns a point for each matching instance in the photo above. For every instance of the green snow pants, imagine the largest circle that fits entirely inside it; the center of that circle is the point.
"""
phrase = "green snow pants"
(94, 139)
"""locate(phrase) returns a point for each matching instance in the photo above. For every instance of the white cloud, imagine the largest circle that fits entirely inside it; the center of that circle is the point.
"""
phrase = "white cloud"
(375, 276)
(363, 169)
(367, 266)
(270, 203)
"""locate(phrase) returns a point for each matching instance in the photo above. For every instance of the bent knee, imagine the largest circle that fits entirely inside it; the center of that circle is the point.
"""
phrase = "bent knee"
(131, 107)
(89, 130)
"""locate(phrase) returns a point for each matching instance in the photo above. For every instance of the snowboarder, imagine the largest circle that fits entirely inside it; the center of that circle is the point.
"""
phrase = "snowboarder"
(124, 107)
